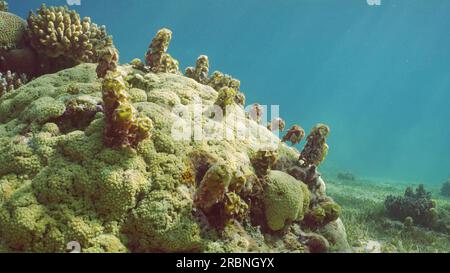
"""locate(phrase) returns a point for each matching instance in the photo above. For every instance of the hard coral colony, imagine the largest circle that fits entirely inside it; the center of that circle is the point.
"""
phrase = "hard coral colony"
(86, 154)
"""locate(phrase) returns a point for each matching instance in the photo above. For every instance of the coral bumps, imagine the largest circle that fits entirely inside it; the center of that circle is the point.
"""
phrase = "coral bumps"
(13, 30)
(285, 199)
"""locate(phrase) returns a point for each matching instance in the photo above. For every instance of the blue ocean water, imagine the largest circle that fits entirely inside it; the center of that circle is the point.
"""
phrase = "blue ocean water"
(378, 75)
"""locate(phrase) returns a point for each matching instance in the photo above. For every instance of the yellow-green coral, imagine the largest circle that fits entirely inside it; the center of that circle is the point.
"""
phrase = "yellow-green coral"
(163, 222)
(58, 31)
(59, 183)
(13, 30)
(285, 199)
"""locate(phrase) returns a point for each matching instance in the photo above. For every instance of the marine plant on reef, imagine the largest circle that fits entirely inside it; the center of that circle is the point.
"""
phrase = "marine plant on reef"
(124, 126)
(316, 148)
(200, 72)
(263, 161)
(418, 205)
(226, 98)
(295, 135)
(218, 196)
(157, 57)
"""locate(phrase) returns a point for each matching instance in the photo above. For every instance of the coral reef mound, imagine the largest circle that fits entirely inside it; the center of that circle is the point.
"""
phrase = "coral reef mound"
(60, 183)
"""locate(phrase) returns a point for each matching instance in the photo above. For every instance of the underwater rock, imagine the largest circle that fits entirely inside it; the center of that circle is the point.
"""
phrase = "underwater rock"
(336, 235)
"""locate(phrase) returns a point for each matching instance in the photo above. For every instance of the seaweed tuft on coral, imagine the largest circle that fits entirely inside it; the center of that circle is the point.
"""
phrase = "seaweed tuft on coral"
(124, 125)
(200, 72)
(316, 148)
(295, 135)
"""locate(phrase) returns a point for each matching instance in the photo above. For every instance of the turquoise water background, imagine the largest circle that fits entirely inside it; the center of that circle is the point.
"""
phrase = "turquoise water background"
(378, 75)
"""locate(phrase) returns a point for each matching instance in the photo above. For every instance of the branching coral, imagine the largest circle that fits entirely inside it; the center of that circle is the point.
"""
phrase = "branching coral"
(56, 32)
(124, 126)
(200, 72)
(316, 148)
(417, 205)
(157, 57)
(295, 135)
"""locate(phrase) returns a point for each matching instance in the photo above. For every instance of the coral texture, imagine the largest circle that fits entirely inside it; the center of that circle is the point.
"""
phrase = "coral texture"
(285, 198)
(13, 30)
